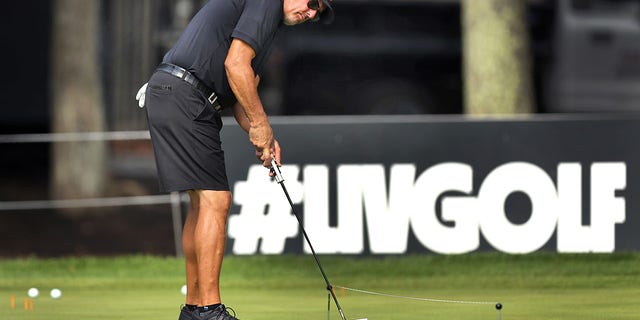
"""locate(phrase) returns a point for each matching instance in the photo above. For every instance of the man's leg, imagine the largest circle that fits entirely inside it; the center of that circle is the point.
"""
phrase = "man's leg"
(208, 243)
(188, 245)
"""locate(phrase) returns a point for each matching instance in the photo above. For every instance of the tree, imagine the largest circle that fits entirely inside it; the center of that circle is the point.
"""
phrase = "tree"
(78, 169)
(497, 61)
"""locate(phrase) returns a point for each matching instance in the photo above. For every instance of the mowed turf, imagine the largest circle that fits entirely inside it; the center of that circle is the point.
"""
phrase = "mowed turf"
(536, 286)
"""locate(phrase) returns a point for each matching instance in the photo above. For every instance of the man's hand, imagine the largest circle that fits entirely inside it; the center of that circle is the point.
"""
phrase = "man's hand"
(140, 95)
(261, 137)
(276, 152)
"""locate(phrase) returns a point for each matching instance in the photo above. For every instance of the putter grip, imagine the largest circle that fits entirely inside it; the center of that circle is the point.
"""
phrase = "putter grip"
(276, 171)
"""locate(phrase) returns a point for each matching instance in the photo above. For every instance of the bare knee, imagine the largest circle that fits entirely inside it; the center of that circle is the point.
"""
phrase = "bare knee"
(216, 201)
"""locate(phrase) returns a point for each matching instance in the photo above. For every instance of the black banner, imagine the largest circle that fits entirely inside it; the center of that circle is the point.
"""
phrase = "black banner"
(444, 184)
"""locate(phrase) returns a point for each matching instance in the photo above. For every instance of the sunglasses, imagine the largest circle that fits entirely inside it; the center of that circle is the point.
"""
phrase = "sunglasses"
(314, 4)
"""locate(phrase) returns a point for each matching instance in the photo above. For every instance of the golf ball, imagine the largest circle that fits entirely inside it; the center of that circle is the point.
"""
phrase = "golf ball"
(184, 290)
(33, 293)
(56, 293)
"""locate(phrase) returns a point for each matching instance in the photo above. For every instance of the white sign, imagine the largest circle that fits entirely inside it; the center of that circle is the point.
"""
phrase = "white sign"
(408, 204)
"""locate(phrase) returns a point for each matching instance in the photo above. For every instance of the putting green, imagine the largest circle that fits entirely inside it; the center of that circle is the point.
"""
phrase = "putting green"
(542, 285)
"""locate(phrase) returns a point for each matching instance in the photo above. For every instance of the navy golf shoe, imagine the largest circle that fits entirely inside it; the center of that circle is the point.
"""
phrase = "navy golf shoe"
(219, 313)
(186, 313)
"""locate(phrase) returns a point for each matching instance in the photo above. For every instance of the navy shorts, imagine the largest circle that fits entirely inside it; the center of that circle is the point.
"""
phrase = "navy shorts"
(185, 134)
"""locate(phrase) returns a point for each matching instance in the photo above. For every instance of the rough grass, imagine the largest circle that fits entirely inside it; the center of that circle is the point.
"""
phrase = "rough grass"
(537, 286)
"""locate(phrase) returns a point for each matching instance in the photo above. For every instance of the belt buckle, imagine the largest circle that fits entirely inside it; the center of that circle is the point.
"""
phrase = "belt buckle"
(213, 98)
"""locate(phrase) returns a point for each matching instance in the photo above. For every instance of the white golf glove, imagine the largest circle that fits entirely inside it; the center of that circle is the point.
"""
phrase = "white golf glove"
(140, 95)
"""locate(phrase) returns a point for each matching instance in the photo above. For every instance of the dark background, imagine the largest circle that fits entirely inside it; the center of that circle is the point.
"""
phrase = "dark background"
(378, 58)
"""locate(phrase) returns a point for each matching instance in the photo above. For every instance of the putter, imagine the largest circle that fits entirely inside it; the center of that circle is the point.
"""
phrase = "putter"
(280, 180)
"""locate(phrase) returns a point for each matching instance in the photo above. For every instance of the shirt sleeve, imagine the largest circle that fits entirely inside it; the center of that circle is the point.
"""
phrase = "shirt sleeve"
(259, 21)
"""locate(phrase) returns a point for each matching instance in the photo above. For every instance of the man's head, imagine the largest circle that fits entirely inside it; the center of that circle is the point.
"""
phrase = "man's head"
(300, 11)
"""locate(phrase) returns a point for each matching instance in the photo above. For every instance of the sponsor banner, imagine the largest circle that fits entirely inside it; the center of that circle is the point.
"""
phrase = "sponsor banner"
(448, 185)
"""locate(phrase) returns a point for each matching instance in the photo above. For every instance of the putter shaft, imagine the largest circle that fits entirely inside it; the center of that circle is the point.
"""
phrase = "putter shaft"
(280, 180)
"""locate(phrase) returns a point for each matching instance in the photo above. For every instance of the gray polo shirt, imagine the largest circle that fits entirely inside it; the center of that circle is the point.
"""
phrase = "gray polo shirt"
(203, 46)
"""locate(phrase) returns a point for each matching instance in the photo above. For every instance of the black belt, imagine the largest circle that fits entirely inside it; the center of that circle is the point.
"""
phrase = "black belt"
(189, 78)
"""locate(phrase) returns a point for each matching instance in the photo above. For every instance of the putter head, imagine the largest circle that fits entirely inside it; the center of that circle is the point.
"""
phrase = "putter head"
(276, 171)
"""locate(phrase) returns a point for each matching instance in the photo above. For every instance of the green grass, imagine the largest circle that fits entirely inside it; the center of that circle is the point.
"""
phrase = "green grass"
(537, 286)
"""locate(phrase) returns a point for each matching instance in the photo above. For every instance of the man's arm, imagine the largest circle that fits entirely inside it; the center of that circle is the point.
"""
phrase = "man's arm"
(241, 117)
(243, 82)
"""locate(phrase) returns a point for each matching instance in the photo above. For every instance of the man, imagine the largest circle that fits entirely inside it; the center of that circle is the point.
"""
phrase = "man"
(214, 64)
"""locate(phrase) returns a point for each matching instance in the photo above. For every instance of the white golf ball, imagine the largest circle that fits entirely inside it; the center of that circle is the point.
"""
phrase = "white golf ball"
(56, 293)
(33, 293)
(184, 290)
